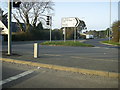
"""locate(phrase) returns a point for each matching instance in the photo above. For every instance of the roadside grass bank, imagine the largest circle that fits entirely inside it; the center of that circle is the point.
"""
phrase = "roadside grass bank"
(67, 43)
(111, 43)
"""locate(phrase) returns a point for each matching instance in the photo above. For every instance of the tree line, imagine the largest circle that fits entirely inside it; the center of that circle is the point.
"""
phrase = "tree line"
(33, 16)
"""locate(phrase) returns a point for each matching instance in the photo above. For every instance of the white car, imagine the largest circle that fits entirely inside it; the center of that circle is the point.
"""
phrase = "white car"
(89, 37)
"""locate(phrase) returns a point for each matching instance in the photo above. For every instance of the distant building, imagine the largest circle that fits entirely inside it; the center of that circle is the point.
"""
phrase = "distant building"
(3, 28)
(14, 28)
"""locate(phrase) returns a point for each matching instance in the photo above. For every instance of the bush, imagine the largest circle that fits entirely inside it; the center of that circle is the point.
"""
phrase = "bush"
(36, 35)
(22, 36)
(116, 31)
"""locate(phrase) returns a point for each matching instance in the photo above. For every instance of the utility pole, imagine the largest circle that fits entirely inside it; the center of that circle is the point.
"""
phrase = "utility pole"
(50, 28)
(110, 22)
(9, 28)
(119, 34)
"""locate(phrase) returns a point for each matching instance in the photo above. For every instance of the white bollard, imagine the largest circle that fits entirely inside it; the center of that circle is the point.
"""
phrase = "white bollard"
(36, 50)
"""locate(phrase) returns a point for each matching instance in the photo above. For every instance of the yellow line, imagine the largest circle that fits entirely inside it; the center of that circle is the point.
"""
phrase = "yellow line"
(63, 68)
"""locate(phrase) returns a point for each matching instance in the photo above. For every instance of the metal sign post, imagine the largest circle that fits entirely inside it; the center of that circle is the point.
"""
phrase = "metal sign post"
(71, 22)
(9, 28)
(74, 34)
(64, 32)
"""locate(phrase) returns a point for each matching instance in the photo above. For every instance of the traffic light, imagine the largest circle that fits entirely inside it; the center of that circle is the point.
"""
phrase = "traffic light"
(16, 4)
(48, 20)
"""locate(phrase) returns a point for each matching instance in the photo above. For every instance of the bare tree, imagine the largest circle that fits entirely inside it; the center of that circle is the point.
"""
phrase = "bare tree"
(31, 13)
(1, 13)
(3, 16)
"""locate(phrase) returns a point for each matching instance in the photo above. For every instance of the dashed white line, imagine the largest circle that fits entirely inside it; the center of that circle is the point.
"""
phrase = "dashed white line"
(88, 58)
(96, 47)
(16, 77)
(52, 55)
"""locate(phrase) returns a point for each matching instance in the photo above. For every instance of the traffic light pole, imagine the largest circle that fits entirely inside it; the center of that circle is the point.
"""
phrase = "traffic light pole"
(50, 28)
(50, 32)
(9, 28)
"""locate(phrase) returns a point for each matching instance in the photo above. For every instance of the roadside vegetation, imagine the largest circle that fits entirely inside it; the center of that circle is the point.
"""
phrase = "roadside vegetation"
(116, 31)
(115, 35)
(67, 43)
(111, 43)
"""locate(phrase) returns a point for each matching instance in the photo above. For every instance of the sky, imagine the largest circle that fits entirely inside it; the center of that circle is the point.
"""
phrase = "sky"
(95, 13)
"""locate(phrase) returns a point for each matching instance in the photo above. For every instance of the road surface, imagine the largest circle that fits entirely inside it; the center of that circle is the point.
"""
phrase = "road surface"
(94, 58)
(24, 76)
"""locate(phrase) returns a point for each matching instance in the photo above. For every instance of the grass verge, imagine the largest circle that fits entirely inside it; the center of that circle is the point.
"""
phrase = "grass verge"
(110, 43)
(67, 43)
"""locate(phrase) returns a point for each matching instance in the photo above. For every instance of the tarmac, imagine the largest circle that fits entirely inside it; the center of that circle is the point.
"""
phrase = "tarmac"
(29, 60)
(67, 59)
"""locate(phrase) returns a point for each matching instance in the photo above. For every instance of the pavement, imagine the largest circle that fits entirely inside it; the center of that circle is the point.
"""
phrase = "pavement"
(25, 76)
(88, 60)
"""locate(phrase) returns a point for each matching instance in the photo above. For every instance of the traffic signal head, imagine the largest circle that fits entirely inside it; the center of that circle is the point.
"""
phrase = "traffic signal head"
(16, 4)
(48, 20)
(48, 23)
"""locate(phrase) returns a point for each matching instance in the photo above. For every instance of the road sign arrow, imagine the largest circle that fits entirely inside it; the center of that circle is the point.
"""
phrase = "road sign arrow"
(70, 22)
(78, 22)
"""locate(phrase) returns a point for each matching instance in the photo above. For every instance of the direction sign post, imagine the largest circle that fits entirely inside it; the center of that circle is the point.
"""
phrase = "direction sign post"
(74, 34)
(64, 32)
(72, 22)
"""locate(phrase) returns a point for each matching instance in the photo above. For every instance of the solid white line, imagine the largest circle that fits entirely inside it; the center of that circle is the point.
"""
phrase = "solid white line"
(16, 77)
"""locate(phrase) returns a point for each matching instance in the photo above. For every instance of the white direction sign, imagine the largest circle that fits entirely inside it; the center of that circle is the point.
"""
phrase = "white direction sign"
(70, 22)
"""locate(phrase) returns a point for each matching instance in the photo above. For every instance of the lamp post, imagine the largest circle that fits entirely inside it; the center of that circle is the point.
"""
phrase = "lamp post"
(119, 34)
(16, 5)
(9, 28)
(109, 31)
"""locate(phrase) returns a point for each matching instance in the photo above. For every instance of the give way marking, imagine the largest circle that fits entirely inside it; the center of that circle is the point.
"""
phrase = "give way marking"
(16, 77)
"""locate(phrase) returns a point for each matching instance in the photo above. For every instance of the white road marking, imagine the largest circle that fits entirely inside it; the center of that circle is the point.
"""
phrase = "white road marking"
(16, 77)
(96, 47)
(52, 55)
(89, 58)
(106, 48)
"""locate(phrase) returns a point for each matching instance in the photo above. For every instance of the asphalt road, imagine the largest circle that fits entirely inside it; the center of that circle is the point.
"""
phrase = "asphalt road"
(96, 42)
(24, 76)
(94, 58)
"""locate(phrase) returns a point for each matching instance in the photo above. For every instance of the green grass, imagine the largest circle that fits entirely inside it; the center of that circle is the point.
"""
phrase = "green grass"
(67, 43)
(110, 42)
